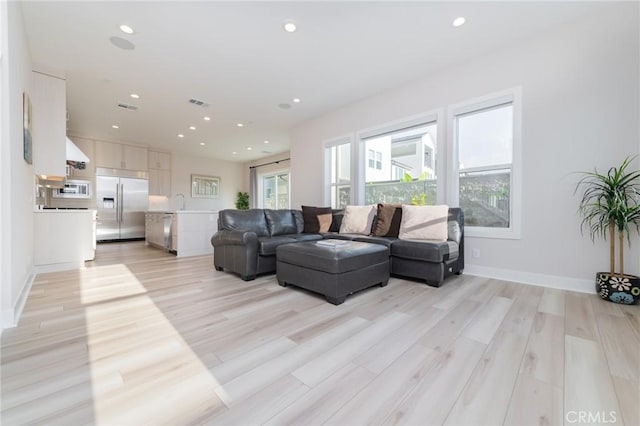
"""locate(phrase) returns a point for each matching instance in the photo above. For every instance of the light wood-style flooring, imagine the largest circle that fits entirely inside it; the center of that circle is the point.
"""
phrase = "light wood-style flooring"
(141, 337)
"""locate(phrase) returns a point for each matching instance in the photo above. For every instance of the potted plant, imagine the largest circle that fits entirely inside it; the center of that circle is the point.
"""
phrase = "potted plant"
(242, 201)
(611, 203)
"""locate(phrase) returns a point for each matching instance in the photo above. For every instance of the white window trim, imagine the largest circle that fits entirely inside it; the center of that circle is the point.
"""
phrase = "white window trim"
(513, 95)
(433, 116)
(341, 140)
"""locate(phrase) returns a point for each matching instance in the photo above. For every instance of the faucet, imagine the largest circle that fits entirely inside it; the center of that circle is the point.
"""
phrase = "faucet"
(181, 195)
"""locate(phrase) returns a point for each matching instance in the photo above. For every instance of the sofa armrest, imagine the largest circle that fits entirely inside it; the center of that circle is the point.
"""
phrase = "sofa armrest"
(234, 238)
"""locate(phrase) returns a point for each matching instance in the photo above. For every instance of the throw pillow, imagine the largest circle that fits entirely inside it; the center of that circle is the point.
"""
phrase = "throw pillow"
(389, 219)
(424, 223)
(358, 220)
(325, 222)
(311, 221)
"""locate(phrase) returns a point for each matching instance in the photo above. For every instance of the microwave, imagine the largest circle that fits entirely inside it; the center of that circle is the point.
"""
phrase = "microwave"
(73, 189)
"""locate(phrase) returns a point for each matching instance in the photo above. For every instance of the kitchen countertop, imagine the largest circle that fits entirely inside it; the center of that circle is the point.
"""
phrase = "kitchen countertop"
(65, 211)
(184, 211)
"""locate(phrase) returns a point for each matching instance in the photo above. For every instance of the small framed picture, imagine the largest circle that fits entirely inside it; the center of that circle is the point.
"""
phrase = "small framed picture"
(205, 186)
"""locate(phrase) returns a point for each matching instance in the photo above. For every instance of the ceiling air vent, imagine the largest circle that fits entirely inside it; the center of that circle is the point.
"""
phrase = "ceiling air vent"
(199, 103)
(129, 107)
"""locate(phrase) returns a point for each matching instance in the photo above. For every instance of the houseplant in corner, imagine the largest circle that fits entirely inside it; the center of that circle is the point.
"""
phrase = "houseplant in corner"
(242, 201)
(611, 203)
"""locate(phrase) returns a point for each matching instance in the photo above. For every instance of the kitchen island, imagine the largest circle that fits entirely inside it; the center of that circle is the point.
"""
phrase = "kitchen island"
(190, 233)
(63, 239)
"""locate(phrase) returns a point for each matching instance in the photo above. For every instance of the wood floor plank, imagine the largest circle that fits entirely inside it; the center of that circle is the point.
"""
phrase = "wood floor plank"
(446, 330)
(587, 383)
(580, 318)
(628, 393)
(488, 319)
(535, 403)
(552, 302)
(541, 362)
(621, 347)
(486, 396)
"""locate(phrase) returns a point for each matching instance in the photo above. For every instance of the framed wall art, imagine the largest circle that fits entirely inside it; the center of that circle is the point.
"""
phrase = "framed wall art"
(205, 186)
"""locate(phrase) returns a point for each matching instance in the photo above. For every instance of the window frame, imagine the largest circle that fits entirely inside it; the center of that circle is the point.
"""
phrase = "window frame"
(422, 119)
(514, 97)
(275, 174)
(328, 185)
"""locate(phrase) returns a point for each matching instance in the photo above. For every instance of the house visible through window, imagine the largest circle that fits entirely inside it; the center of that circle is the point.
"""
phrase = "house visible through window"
(397, 169)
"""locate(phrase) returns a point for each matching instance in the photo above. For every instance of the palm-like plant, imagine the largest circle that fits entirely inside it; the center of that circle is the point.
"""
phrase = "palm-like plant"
(611, 202)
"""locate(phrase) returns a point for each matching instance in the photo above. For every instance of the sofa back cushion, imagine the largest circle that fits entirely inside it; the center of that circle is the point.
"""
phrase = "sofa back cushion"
(280, 222)
(424, 223)
(358, 220)
(244, 220)
(314, 217)
(387, 223)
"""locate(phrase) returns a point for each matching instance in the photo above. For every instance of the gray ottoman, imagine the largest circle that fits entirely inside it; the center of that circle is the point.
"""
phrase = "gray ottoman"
(333, 271)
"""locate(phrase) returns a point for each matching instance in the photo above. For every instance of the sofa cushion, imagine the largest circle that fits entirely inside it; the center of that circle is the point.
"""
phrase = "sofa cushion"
(425, 250)
(388, 220)
(358, 220)
(299, 219)
(454, 233)
(384, 241)
(280, 222)
(305, 237)
(338, 236)
(244, 220)
(267, 245)
(310, 215)
(424, 223)
(338, 215)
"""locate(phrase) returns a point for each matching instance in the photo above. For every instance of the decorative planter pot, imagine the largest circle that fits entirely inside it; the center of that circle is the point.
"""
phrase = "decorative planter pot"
(618, 288)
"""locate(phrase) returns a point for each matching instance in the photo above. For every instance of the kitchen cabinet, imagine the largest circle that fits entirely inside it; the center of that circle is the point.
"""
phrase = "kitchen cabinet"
(63, 239)
(87, 146)
(113, 155)
(192, 231)
(157, 228)
(160, 173)
(49, 124)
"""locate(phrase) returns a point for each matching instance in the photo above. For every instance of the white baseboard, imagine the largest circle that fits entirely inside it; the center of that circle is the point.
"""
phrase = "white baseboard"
(57, 267)
(543, 280)
(11, 317)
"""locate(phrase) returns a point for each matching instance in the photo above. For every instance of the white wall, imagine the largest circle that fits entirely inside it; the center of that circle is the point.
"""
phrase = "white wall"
(16, 222)
(580, 110)
(231, 181)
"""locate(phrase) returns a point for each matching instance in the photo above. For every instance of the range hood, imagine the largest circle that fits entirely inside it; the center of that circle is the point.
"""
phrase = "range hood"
(75, 154)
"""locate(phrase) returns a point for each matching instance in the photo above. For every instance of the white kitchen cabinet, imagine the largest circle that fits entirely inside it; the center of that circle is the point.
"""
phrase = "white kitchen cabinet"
(159, 160)
(49, 124)
(63, 239)
(114, 155)
(192, 232)
(160, 182)
(87, 146)
(160, 173)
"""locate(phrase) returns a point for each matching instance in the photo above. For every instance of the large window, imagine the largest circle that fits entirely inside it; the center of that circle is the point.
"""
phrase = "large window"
(338, 160)
(485, 140)
(401, 164)
(275, 191)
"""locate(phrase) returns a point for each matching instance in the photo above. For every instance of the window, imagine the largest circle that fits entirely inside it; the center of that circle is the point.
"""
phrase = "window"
(275, 191)
(485, 142)
(398, 171)
(338, 164)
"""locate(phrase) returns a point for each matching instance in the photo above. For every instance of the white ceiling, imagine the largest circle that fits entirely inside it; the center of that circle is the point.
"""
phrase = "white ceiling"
(236, 57)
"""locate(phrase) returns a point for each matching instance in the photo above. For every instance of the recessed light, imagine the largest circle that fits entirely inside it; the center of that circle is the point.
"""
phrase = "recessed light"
(206, 118)
(266, 141)
(202, 143)
(135, 96)
(234, 153)
(249, 148)
(459, 21)
(240, 125)
(290, 27)
(296, 100)
(115, 126)
(192, 127)
(180, 135)
(126, 29)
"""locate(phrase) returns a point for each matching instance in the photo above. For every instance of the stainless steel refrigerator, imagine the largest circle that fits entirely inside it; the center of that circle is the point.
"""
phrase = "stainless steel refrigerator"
(122, 203)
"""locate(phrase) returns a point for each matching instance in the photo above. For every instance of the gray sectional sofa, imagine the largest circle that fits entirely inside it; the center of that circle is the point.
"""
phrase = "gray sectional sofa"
(246, 244)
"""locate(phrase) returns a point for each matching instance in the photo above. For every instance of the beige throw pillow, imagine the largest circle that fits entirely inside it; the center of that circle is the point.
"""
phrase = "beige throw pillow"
(424, 223)
(358, 220)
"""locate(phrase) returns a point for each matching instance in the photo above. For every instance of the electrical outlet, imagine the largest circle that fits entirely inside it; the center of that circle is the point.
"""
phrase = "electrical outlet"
(475, 253)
